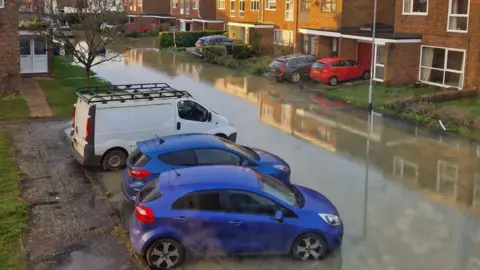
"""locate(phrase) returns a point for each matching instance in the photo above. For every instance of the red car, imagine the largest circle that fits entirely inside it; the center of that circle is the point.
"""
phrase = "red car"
(332, 70)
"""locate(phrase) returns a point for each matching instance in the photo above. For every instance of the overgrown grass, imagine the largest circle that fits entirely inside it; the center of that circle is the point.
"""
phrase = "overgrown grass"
(469, 105)
(60, 90)
(13, 107)
(358, 94)
(13, 211)
(254, 65)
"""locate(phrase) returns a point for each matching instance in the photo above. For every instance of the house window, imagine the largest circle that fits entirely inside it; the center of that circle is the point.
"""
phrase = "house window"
(267, 111)
(2, 4)
(379, 62)
(181, 5)
(289, 10)
(255, 5)
(140, 3)
(442, 66)
(415, 7)
(405, 171)
(286, 114)
(271, 5)
(221, 4)
(458, 11)
(195, 4)
(232, 8)
(447, 176)
(476, 190)
(175, 3)
(328, 6)
(241, 8)
(283, 37)
(187, 7)
(304, 5)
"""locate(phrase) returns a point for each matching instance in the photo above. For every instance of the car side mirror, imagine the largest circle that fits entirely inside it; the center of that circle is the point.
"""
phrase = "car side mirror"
(278, 216)
(209, 117)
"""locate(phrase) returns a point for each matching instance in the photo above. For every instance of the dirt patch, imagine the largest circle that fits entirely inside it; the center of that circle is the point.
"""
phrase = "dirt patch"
(70, 222)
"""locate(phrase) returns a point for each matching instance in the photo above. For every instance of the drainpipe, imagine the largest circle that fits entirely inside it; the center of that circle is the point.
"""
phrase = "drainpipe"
(297, 12)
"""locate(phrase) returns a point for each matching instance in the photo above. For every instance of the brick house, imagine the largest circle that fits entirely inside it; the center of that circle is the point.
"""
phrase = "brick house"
(196, 15)
(149, 14)
(261, 23)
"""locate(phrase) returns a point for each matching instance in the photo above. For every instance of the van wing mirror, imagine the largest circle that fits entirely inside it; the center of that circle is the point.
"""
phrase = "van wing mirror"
(209, 117)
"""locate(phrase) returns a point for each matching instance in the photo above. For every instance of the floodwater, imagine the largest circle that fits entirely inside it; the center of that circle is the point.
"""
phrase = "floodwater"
(409, 198)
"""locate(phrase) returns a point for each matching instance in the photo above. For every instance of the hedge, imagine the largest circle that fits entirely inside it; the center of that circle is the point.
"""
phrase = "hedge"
(210, 53)
(401, 104)
(242, 51)
(184, 39)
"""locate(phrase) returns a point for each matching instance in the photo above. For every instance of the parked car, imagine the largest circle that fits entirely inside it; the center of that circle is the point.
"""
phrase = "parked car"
(211, 210)
(155, 156)
(291, 67)
(109, 120)
(214, 40)
(336, 69)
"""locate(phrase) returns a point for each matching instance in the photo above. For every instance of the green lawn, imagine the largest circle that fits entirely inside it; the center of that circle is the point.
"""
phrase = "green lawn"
(13, 107)
(60, 91)
(470, 105)
(13, 211)
(358, 94)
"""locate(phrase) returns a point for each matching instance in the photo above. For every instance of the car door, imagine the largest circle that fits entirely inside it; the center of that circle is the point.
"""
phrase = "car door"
(338, 68)
(212, 156)
(192, 118)
(201, 223)
(309, 60)
(253, 229)
(354, 70)
(179, 159)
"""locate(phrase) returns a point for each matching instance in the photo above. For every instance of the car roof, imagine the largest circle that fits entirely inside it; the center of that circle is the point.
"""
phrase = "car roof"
(212, 36)
(217, 175)
(328, 60)
(289, 57)
(182, 141)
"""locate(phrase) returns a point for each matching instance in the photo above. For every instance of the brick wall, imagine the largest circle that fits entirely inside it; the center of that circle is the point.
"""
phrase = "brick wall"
(207, 9)
(324, 47)
(9, 48)
(347, 48)
(193, 13)
(156, 7)
(360, 12)
(401, 63)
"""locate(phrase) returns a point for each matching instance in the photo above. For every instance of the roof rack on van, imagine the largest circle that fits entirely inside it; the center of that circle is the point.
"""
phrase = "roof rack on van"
(124, 92)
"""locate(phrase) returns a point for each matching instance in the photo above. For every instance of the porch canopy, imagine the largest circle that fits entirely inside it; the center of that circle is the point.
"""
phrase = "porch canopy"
(252, 25)
(384, 34)
(156, 16)
(208, 21)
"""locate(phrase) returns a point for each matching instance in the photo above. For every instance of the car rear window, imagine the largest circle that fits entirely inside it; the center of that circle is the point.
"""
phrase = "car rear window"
(149, 192)
(138, 159)
(319, 65)
(200, 41)
(276, 63)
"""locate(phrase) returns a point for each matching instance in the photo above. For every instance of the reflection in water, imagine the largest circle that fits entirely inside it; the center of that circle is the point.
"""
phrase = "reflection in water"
(422, 201)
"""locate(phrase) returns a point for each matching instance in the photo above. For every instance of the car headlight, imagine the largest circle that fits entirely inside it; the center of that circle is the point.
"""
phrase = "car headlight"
(333, 220)
(282, 168)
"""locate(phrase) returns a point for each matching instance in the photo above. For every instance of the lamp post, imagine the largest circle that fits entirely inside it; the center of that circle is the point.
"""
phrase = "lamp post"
(372, 61)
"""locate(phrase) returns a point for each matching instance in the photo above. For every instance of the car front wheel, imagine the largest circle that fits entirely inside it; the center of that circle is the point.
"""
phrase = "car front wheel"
(295, 77)
(310, 246)
(165, 254)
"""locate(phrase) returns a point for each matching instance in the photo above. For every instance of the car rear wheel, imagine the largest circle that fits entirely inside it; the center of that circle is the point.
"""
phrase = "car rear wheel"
(366, 75)
(114, 160)
(295, 77)
(333, 81)
(310, 246)
(165, 254)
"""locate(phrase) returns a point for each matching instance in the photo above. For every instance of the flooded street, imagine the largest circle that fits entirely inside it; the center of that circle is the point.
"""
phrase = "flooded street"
(409, 199)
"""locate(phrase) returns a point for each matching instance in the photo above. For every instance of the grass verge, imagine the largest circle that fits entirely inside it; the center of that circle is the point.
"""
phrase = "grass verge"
(256, 65)
(13, 211)
(60, 90)
(13, 107)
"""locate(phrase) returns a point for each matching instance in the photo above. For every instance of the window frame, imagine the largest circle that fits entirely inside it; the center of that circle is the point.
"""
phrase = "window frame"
(174, 3)
(254, 5)
(2, 3)
(241, 8)
(268, 6)
(328, 2)
(287, 212)
(241, 157)
(375, 64)
(402, 162)
(197, 104)
(275, 34)
(411, 13)
(290, 11)
(446, 164)
(447, 49)
(305, 5)
(450, 15)
(232, 10)
(196, 4)
(218, 4)
(219, 191)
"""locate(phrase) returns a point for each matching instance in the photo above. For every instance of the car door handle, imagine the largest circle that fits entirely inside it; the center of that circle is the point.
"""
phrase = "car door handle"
(235, 223)
(179, 125)
(181, 219)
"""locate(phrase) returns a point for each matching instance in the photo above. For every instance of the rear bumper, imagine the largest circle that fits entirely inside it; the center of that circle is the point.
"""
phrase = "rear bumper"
(233, 137)
(319, 79)
(276, 76)
(89, 158)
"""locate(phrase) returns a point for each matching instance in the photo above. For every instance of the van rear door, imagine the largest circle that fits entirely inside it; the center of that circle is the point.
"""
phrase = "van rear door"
(80, 119)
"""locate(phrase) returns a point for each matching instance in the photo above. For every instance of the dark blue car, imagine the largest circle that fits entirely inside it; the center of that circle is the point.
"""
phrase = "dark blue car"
(155, 156)
(230, 210)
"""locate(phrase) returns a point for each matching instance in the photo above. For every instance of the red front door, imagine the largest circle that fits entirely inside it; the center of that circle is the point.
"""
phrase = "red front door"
(364, 53)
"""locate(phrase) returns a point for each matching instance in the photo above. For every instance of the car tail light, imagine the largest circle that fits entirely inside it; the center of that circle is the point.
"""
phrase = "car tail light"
(144, 214)
(73, 115)
(139, 174)
(89, 129)
(282, 67)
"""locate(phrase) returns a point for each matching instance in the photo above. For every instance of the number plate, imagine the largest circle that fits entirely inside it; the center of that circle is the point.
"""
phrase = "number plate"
(273, 70)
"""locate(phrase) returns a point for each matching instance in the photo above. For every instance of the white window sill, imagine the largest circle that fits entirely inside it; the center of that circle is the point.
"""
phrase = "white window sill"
(254, 10)
(415, 14)
(440, 85)
(457, 31)
(271, 9)
(221, 8)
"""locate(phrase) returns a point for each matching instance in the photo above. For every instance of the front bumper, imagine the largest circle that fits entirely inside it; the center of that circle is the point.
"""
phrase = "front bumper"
(334, 238)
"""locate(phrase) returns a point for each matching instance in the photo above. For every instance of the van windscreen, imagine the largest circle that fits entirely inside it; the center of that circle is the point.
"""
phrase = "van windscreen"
(138, 159)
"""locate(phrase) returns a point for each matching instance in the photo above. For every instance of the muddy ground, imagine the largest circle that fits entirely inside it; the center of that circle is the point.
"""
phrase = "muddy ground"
(71, 223)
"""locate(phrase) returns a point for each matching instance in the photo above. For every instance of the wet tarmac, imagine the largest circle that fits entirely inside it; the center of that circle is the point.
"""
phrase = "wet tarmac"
(409, 198)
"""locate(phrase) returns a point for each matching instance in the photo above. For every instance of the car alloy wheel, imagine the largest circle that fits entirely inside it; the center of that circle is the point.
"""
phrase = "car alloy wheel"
(309, 247)
(165, 254)
(333, 81)
(296, 77)
(366, 75)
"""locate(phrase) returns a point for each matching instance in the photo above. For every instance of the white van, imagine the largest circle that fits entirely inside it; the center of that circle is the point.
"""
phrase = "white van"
(109, 120)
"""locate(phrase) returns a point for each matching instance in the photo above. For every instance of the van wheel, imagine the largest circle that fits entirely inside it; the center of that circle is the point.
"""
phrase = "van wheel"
(114, 160)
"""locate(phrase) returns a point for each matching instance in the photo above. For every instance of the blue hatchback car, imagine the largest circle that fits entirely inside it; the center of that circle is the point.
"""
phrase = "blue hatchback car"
(155, 156)
(230, 210)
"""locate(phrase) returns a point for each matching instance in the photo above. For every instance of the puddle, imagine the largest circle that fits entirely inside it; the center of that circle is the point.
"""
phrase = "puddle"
(80, 260)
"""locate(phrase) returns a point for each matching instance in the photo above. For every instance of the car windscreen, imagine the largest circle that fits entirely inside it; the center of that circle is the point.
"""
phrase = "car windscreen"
(276, 63)
(319, 65)
(280, 190)
(244, 150)
(137, 158)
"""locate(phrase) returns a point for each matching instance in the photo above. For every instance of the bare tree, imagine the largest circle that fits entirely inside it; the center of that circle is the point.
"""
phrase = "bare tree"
(86, 28)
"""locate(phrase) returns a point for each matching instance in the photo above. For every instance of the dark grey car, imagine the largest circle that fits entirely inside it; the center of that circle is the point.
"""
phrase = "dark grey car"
(214, 40)
(293, 67)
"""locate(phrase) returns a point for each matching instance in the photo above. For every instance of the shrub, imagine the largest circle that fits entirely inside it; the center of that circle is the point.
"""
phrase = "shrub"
(225, 34)
(210, 53)
(242, 51)
(183, 39)
(454, 115)
(402, 104)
